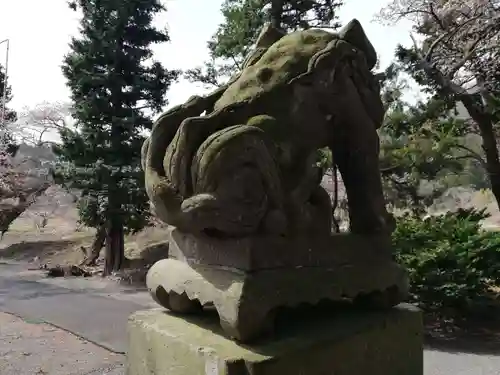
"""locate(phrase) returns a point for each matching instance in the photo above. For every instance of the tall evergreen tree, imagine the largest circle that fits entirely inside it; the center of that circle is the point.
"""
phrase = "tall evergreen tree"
(243, 20)
(113, 80)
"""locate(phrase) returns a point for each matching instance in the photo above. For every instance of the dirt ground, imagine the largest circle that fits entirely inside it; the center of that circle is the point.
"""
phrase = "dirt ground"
(61, 242)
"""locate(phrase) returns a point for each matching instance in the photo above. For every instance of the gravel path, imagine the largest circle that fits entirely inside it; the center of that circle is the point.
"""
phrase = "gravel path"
(41, 349)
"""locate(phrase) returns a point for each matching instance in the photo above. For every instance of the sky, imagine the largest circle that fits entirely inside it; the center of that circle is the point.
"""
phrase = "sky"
(39, 33)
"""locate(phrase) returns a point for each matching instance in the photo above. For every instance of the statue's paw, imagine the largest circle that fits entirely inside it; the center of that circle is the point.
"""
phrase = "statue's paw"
(164, 199)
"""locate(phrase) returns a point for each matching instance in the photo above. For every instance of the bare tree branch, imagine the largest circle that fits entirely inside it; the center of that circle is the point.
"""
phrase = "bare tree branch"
(42, 123)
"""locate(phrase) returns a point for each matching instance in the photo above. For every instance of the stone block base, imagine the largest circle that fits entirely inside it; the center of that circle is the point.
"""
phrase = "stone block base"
(248, 279)
(341, 343)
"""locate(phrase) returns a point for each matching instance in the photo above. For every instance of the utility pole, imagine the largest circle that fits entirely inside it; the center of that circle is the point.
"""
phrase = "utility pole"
(4, 95)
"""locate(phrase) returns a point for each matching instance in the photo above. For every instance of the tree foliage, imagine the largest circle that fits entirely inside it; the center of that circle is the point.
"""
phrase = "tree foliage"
(455, 60)
(243, 20)
(419, 146)
(113, 80)
(426, 147)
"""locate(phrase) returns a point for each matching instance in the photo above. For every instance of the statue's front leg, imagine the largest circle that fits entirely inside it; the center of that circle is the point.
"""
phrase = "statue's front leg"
(355, 147)
(356, 155)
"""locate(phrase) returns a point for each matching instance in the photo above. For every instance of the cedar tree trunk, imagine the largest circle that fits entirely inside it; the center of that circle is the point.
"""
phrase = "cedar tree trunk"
(485, 122)
(115, 247)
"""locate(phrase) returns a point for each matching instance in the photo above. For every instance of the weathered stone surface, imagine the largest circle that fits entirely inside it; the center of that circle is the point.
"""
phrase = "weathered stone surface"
(243, 160)
(376, 343)
(237, 172)
(269, 252)
(246, 301)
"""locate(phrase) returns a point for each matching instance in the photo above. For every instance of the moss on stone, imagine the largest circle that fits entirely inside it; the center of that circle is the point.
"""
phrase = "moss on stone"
(283, 61)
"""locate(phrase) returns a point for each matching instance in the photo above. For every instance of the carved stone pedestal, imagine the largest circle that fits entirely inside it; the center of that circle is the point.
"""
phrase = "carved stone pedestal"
(355, 343)
(247, 280)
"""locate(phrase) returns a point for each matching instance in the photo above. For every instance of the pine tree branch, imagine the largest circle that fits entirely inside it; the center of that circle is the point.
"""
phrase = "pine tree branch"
(472, 154)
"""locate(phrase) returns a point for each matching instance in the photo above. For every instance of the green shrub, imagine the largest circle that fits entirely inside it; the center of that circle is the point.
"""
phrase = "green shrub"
(452, 262)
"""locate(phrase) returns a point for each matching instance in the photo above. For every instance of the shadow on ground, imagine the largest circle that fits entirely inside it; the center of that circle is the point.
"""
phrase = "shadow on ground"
(27, 251)
(474, 336)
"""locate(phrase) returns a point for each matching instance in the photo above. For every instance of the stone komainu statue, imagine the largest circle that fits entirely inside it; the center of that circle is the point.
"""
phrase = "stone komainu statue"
(242, 160)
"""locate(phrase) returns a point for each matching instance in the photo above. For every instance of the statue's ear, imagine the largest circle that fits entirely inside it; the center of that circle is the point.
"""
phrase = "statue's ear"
(354, 34)
(268, 36)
